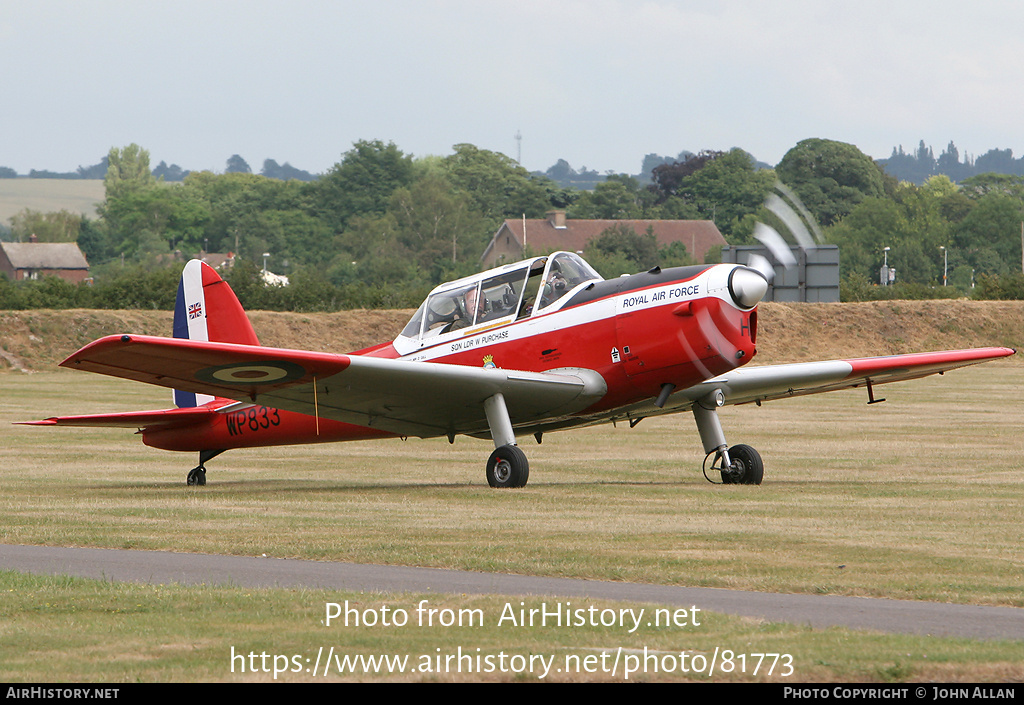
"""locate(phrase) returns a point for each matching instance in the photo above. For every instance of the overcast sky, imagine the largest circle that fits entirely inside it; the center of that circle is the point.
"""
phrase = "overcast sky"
(599, 83)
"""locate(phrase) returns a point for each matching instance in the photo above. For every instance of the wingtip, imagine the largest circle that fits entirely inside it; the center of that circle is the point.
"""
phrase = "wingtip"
(75, 358)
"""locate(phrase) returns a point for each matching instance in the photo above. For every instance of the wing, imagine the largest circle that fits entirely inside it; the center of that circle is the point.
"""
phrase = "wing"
(757, 384)
(407, 398)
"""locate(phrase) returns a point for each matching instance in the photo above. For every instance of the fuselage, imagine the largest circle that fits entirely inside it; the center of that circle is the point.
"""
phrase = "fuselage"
(677, 326)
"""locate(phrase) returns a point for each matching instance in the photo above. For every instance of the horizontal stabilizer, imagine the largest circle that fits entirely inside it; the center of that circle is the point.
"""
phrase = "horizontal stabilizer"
(150, 420)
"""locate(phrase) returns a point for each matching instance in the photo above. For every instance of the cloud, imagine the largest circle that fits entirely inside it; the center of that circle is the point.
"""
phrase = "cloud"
(597, 82)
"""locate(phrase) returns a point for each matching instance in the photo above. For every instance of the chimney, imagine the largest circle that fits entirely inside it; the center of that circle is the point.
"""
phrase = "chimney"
(557, 219)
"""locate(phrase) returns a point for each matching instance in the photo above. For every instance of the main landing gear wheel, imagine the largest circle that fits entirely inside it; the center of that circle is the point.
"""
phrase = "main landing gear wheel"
(746, 468)
(507, 467)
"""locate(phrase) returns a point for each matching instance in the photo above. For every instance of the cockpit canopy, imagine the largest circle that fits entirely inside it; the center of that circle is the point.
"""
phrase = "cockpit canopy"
(498, 296)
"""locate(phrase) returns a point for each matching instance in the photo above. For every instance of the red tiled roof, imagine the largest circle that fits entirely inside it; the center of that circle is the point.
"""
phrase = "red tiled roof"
(44, 255)
(542, 236)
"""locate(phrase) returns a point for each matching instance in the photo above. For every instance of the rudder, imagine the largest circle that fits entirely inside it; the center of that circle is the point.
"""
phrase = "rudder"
(207, 309)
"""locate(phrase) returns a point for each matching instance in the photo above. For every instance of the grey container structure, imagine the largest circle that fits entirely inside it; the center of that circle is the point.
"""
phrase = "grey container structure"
(814, 278)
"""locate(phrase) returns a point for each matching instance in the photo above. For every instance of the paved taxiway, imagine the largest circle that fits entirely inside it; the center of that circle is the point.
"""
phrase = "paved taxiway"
(899, 616)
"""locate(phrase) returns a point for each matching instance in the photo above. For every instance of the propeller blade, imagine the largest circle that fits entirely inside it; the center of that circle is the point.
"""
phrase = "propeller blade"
(762, 266)
(770, 238)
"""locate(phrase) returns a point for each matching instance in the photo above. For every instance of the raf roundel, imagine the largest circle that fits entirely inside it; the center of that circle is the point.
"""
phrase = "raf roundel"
(246, 374)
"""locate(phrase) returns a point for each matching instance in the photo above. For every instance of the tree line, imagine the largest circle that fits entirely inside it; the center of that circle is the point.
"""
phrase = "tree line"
(381, 227)
(235, 163)
(921, 164)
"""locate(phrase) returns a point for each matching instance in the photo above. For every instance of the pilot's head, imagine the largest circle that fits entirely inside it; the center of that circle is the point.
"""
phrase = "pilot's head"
(474, 303)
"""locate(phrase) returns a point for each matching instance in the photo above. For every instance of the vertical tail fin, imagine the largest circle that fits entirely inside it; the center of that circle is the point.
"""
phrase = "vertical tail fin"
(206, 309)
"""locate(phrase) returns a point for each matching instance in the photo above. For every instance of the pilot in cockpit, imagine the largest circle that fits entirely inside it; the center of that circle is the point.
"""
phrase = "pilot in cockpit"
(554, 287)
(473, 303)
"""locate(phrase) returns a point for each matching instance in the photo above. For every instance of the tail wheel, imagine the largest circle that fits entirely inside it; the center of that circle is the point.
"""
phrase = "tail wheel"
(746, 469)
(508, 467)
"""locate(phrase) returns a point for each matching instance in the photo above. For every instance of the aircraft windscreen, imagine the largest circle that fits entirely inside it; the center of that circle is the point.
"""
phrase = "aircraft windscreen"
(565, 272)
(412, 328)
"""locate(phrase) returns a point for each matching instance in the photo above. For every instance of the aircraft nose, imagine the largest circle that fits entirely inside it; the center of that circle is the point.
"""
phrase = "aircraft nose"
(747, 286)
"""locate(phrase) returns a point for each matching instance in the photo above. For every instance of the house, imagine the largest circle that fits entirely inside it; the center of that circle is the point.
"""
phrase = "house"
(516, 237)
(33, 260)
(221, 261)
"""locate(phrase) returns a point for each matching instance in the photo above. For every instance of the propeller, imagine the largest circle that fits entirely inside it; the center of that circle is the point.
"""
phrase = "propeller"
(749, 283)
(786, 206)
(762, 266)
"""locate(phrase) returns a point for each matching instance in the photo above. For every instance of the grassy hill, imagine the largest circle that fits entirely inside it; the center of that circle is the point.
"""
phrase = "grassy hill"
(38, 340)
(49, 195)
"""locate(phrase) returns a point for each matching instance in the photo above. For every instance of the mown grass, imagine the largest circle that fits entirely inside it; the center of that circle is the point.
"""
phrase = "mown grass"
(61, 629)
(918, 498)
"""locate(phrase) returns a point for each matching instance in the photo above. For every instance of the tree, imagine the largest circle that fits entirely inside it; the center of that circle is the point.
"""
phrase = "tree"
(653, 161)
(560, 172)
(989, 235)
(498, 186)
(669, 177)
(998, 161)
(127, 171)
(63, 226)
(250, 213)
(830, 177)
(641, 251)
(362, 182)
(873, 224)
(437, 223)
(726, 187)
(729, 190)
(949, 164)
(273, 170)
(155, 221)
(96, 171)
(983, 184)
(619, 197)
(169, 173)
(129, 185)
(567, 177)
(94, 242)
(237, 165)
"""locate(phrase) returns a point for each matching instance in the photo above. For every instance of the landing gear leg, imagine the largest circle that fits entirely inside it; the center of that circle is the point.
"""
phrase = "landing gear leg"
(507, 466)
(740, 464)
(197, 475)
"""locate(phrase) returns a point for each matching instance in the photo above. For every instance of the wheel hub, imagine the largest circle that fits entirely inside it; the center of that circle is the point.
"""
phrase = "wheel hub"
(502, 470)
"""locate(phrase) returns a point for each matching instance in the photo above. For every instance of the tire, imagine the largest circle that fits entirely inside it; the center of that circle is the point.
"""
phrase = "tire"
(197, 476)
(507, 467)
(747, 467)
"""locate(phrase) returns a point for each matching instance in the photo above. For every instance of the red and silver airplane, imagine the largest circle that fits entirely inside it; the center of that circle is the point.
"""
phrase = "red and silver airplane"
(542, 345)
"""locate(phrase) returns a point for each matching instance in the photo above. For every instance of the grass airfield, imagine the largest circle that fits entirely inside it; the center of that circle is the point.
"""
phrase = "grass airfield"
(918, 498)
